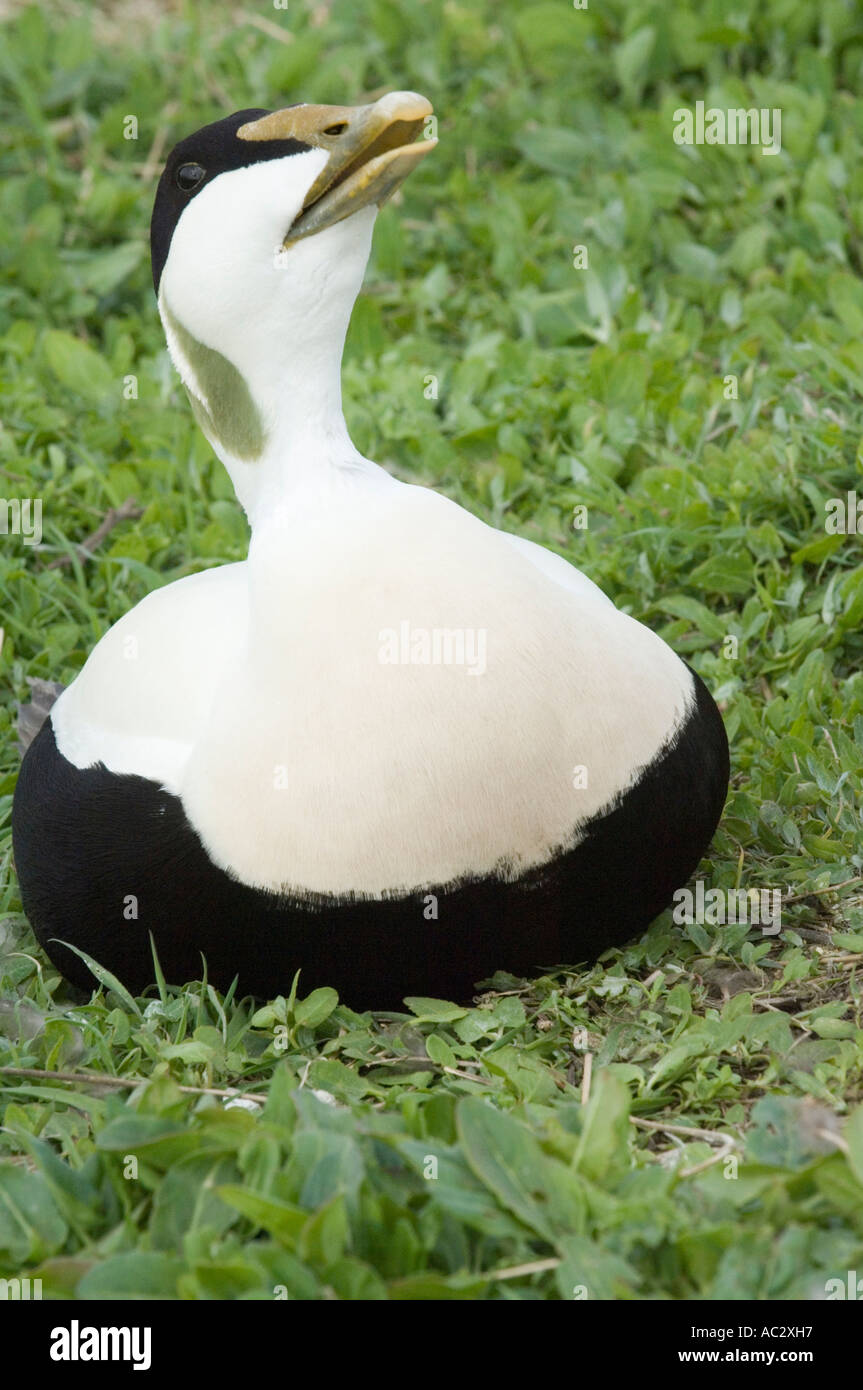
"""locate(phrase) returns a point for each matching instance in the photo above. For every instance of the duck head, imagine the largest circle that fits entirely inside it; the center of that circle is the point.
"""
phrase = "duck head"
(260, 236)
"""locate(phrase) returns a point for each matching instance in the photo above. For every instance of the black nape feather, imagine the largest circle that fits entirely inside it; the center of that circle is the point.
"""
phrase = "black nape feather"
(217, 149)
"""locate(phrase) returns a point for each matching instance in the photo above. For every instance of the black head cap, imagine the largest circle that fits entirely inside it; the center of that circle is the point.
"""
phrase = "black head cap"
(212, 150)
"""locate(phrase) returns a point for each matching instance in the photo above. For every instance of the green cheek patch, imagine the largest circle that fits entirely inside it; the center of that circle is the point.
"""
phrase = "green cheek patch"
(230, 417)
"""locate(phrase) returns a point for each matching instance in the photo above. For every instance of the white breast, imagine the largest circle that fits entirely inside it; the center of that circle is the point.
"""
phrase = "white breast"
(148, 686)
(275, 698)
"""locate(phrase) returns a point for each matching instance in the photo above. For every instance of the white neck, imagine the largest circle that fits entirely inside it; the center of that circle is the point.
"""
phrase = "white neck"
(308, 452)
(261, 361)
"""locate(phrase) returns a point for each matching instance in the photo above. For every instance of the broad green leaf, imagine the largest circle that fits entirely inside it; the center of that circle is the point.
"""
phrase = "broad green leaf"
(440, 1051)
(356, 1281)
(31, 1227)
(849, 941)
(137, 1275)
(603, 1145)
(279, 1109)
(78, 366)
(724, 574)
(631, 60)
(186, 1199)
(104, 271)
(432, 1287)
(223, 1279)
(135, 1131)
(329, 1074)
(554, 149)
(435, 1010)
(281, 1220)
(786, 1131)
(590, 1271)
(505, 1156)
(75, 1196)
(452, 1186)
(854, 1139)
(325, 1235)
(317, 1007)
(682, 606)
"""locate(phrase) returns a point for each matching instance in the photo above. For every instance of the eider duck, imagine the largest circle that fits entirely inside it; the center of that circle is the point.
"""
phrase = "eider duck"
(394, 749)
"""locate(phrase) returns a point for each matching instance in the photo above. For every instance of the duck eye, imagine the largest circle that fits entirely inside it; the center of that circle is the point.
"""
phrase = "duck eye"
(189, 176)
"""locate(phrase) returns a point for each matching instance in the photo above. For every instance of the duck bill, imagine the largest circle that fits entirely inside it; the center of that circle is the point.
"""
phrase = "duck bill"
(372, 182)
(371, 151)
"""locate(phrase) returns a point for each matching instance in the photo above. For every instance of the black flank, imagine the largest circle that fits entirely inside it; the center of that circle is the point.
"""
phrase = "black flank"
(86, 840)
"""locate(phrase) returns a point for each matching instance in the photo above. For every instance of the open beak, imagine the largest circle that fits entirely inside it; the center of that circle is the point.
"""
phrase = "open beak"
(371, 152)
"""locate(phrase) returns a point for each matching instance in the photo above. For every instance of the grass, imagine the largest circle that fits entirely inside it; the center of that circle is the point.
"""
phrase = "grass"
(683, 1120)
